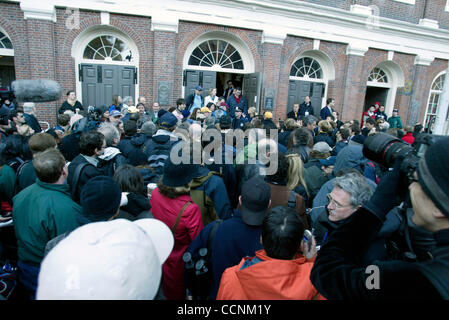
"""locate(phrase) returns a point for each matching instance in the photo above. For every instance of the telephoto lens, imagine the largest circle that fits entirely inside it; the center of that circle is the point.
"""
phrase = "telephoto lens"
(384, 149)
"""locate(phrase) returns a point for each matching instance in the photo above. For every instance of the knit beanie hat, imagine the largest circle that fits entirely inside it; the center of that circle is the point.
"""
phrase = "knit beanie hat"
(100, 198)
(433, 174)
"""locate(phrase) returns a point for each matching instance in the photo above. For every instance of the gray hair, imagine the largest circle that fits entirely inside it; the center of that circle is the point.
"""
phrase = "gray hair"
(127, 99)
(355, 184)
(309, 120)
(148, 128)
(110, 133)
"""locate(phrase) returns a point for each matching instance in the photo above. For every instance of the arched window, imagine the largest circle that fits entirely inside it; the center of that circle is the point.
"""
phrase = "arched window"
(108, 48)
(377, 75)
(5, 42)
(434, 99)
(213, 53)
(307, 68)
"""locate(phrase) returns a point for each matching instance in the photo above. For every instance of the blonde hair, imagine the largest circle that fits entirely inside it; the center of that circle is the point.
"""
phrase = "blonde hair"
(252, 110)
(324, 126)
(295, 172)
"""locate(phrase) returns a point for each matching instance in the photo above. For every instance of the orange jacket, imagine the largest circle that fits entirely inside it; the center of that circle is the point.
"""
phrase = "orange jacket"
(271, 279)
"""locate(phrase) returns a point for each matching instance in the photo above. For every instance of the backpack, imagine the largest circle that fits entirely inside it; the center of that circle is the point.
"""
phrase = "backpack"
(197, 268)
(18, 173)
(199, 196)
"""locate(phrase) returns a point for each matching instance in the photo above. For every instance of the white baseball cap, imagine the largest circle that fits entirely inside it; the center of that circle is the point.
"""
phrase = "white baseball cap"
(113, 260)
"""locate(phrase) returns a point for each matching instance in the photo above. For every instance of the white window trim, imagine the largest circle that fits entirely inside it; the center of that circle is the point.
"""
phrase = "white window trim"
(432, 91)
(446, 8)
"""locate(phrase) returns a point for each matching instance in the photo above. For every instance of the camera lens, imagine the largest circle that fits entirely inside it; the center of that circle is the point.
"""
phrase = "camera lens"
(384, 149)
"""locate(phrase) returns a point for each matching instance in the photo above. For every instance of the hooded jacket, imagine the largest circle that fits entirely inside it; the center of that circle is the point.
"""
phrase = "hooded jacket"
(110, 160)
(132, 148)
(157, 149)
(265, 278)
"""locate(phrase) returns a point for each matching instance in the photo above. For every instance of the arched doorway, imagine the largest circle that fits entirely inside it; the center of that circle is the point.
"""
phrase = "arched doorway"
(215, 58)
(7, 72)
(309, 76)
(382, 84)
(432, 104)
(107, 61)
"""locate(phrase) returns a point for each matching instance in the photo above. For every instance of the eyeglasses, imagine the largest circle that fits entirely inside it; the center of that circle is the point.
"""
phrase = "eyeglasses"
(336, 204)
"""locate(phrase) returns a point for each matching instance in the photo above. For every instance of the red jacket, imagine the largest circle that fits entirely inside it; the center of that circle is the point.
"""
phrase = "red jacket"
(271, 279)
(409, 138)
(365, 116)
(190, 225)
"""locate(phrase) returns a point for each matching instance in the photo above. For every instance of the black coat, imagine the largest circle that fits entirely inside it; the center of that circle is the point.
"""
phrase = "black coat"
(337, 274)
(69, 145)
(325, 138)
(291, 115)
(157, 150)
(132, 149)
(89, 172)
(66, 106)
(303, 108)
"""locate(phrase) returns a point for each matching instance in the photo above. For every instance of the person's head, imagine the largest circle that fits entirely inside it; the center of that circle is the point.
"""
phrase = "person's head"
(295, 172)
(355, 128)
(116, 100)
(40, 142)
(268, 115)
(382, 108)
(100, 200)
(282, 233)
(115, 116)
(238, 112)
(176, 179)
(395, 112)
(129, 179)
(255, 200)
(345, 133)
(111, 134)
(225, 122)
(230, 85)
(418, 128)
(350, 192)
(409, 129)
(301, 136)
(310, 122)
(324, 126)
(370, 123)
(148, 128)
(142, 100)
(296, 107)
(290, 124)
(50, 166)
(330, 102)
(168, 121)
(209, 121)
(237, 92)
(320, 150)
(213, 92)
(71, 95)
(429, 191)
(63, 120)
(141, 108)
(281, 174)
(108, 260)
(252, 111)
(130, 128)
(92, 143)
(206, 111)
(307, 99)
(372, 108)
(198, 90)
(181, 104)
(17, 116)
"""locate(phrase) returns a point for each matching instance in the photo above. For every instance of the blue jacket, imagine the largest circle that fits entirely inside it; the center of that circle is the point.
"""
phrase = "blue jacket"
(325, 112)
(132, 148)
(215, 189)
(233, 241)
(232, 104)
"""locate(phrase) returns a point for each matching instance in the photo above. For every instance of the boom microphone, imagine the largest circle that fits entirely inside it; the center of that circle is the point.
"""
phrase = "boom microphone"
(40, 90)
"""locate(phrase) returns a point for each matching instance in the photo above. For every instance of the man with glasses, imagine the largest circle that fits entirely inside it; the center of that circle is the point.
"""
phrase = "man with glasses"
(350, 192)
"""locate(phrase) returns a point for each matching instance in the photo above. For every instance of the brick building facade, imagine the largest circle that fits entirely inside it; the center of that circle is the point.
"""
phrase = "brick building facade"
(387, 50)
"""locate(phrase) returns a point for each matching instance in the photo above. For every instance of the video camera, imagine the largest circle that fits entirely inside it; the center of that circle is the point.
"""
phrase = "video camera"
(385, 149)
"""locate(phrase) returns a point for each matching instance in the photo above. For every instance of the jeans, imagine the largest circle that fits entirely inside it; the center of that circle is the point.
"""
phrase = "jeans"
(28, 278)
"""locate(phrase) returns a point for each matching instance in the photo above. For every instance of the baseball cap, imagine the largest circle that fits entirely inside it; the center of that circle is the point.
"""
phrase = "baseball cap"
(237, 109)
(113, 260)
(321, 147)
(256, 195)
(205, 109)
(199, 88)
(268, 115)
(115, 113)
(133, 109)
(168, 120)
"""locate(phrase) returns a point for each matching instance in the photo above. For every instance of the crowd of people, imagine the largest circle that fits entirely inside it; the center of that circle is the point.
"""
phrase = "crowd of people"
(98, 207)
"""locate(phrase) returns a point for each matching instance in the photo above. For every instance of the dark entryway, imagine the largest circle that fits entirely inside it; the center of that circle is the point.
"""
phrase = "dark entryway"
(7, 73)
(101, 82)
(250, 83)
(375, 94)
(298, 90)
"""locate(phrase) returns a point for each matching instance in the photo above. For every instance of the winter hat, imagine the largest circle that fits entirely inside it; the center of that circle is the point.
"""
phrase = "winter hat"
(161, 112)
(256, 195)
(178, 175)
(268, 115)
(322, 147)
(433, 175)
(100, 199)
(113, 260)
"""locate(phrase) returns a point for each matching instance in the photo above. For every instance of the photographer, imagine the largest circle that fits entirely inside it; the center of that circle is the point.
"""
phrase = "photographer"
(336, 273)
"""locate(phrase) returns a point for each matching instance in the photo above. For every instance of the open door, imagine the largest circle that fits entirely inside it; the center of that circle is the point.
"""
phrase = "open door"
(251, 89)
(193, 78)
